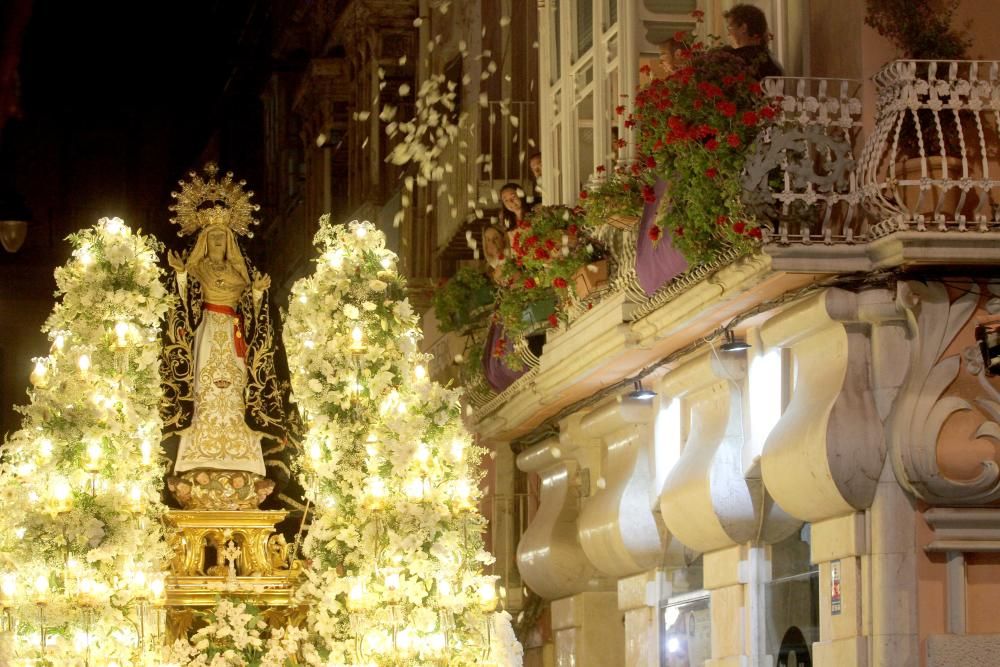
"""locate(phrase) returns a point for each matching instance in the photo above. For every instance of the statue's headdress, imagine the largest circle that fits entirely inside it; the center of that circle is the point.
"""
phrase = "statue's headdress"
(202, 203)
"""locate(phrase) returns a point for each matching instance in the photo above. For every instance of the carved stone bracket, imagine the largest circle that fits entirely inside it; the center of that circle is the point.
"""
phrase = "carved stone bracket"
(925, 404)
(708, 501)
(618, 530)
(824, 456)
(549, 556)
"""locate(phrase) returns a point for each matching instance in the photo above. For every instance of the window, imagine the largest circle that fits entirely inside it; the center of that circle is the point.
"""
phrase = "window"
(791, 602)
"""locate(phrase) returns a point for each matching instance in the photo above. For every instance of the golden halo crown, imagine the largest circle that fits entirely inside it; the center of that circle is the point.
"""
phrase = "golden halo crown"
(204, 202)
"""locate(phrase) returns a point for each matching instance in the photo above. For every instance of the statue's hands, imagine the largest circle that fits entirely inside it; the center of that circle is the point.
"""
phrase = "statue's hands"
(175, 262)
(261, 282)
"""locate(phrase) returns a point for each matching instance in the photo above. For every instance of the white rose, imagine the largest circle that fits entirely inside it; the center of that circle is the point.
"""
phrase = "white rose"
(351, 311)
(377, 285)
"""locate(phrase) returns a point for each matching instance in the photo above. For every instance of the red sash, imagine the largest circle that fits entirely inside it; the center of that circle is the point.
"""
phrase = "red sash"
(241, 346)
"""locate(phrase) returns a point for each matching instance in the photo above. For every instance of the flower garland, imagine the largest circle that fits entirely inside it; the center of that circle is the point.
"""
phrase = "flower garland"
(395, 544)
(81, 547)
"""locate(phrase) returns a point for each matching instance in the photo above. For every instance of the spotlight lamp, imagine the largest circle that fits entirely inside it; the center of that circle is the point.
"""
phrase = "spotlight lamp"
(733, 345)
(641, 394)
(988, 338)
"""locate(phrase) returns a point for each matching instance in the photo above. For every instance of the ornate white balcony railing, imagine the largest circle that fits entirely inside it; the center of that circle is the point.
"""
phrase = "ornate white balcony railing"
(932, 162)
(800, 175)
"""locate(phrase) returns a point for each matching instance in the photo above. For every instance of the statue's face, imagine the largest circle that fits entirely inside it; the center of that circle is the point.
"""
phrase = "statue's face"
(216, 245)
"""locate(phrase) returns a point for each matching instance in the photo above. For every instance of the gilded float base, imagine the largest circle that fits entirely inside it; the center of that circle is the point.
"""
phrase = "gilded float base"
(205, 489)
(236, 553)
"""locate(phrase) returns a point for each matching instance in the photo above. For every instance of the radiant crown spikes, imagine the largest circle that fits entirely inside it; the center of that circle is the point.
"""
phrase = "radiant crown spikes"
(231, 207)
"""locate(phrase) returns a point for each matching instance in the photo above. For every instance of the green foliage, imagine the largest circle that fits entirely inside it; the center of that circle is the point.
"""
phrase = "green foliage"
(460, 301)
(921, 29)
(694, 128)
(621, 193)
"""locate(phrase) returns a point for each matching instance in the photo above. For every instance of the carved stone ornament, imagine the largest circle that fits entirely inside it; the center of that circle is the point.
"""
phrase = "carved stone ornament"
(925, 402)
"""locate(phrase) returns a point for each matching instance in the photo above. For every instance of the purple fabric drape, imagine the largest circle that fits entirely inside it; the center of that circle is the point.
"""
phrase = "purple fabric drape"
(656, 265)
(498, 376)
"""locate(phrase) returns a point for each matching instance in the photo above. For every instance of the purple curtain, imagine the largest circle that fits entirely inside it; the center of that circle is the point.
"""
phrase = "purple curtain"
(498, 376)
(656, 265)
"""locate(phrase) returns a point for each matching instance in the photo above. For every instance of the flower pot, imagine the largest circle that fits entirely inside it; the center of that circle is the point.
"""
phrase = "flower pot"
(537, 314)
(623, 221)
(586, 282)
(478, 302)
(937, 199)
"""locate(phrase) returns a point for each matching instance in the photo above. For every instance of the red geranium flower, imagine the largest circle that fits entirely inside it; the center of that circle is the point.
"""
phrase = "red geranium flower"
(739, 227)
(648, 194)
(711, 144)
(583, 194)
(540, 253)
(620, 109)
(654, 233)
(755, 232)
(728, 109)
(711, 172)
(733, 140)
(721, 220)
(750, 118)
(529, 283)
(550, 244)
(559, 283)
(553, 320)
(768, 112)
(650, 162)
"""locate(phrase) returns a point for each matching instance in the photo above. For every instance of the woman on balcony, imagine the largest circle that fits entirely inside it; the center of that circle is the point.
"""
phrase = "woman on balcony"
(514, 205)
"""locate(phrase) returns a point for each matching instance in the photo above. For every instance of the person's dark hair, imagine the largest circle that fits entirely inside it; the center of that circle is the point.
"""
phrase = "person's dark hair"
(533, 156)
(750, 16)
(508, 217)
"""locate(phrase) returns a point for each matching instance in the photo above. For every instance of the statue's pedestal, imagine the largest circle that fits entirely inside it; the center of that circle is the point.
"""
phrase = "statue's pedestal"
(235, 552)
(227, 553)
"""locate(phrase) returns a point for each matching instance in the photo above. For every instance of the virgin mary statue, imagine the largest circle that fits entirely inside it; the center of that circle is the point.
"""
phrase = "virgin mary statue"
(221, 393)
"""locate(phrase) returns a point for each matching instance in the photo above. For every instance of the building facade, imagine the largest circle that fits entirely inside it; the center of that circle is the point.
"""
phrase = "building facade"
(825, 494)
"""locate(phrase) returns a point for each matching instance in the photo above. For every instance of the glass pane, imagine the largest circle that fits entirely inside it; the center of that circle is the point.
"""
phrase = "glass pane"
(584, 26)
(671, 6)
(556, 164)
(556, 49)
(585, 140)
(686, 618)
(612, 13)
(791, 601)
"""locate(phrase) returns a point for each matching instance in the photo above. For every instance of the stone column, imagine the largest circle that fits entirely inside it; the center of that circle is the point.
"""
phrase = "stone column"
(731, 646)
(640, 597)
(839, 544)
(589, 630)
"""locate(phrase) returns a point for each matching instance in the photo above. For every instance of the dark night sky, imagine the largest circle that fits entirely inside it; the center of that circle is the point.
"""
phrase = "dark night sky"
(119, 100)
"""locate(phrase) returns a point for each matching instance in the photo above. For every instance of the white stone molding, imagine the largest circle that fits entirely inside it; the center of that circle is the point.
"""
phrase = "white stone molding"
(549, 556)
(923, 406)
(823, 457)
(707, 503)
(617, 528)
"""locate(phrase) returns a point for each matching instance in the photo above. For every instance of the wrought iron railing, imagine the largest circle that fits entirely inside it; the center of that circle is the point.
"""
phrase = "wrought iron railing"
(799, 179)
(932, 162)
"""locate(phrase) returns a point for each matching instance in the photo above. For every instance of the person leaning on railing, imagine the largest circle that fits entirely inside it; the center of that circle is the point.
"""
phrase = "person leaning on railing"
(747, 27)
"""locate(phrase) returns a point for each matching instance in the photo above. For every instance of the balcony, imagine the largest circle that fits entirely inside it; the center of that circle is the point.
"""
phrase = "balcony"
(923, 193)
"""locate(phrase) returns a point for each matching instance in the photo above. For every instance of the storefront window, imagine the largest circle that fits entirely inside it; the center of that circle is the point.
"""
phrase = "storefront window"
(686, 621)
(792, 602)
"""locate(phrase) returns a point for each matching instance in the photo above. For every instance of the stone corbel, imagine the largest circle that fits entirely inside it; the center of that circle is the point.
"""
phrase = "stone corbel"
(617, 527)
(922, 407)
(707, 503)
(549, 556)
(824, 456)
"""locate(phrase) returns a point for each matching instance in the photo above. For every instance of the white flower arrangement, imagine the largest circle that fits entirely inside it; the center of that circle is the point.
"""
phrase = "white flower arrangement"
(395, 543)
(238, 636)
(80, 535)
